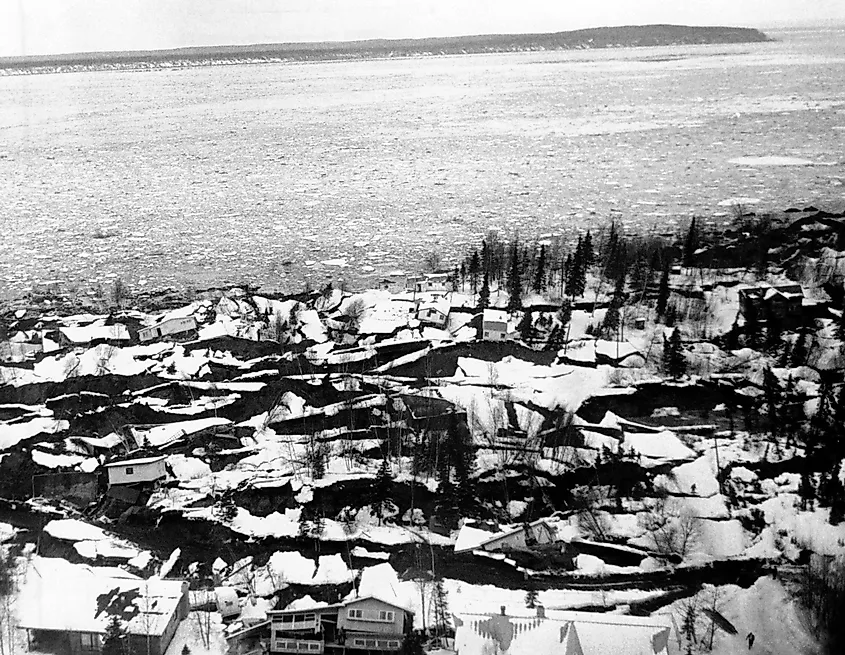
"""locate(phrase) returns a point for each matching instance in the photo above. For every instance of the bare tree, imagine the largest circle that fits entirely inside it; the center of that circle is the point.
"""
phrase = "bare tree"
(673, 530)
(587, 501)
(355, 312)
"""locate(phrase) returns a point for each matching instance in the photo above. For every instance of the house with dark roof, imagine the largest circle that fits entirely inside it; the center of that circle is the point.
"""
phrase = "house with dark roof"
(783, 302)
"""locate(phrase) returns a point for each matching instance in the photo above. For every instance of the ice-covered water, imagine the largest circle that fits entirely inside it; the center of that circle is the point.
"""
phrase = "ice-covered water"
(228, 173)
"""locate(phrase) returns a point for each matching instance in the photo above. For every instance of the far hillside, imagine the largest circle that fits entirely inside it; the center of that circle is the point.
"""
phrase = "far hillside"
(601, 37)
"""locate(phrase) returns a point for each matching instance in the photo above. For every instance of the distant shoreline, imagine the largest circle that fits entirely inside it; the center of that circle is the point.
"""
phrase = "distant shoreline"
(595, 38)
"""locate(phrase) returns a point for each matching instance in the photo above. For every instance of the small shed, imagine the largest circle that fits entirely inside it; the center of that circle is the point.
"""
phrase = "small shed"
(137, 471)
(227, 601)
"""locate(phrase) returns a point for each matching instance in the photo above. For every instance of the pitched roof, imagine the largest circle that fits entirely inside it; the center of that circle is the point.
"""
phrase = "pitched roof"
(136, 462)
(61, 596)
(566, 633)
(495, 316)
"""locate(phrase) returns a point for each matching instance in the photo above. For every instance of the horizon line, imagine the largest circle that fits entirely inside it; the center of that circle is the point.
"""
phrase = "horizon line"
(259, 44)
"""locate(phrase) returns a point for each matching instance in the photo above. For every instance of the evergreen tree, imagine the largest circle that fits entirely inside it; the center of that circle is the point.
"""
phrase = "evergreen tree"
(799, 349)
(567, 268)
(691, 243)
(115, 638)
(484, 294)
(226, 509)
(806, 491)
(663, 292)
(382, 490)
(773, 329)
(556, 339)
(836, 496)
(540, 272)
(440, 605)
(531, 596)
(673, 355)
(564, 316)
(526, 326)
(486, 258)
(587, 247)
(752, 325)
(772, 392)
(577, 282)
(610, 253)
(610, 324)
(515, 281)
(474, 269)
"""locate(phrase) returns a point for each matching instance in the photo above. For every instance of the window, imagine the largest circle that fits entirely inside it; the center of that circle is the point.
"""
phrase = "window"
(486, 333)
(386, 616)
(129, 470)
(393, 645)
(355, 614)
(90, 641)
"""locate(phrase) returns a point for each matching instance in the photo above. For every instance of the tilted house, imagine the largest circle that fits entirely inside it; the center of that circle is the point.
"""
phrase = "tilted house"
(66, 607)
(174, 327)
(364, 624)
(538, 532)
(494, 325)
(435, 312)
(782, 302)
(145, 470)
(563, 633)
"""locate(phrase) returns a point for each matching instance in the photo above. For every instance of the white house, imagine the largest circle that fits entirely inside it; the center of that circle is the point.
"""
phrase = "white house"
(494, 325)
(563, 633)
(428, 282)
(136, 471)
(538, 532)
(65, 608)
(435, 312)
(169, 328)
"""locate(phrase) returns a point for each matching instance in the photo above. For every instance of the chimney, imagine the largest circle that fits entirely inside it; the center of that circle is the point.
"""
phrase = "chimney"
(503, 610)
(541, 612)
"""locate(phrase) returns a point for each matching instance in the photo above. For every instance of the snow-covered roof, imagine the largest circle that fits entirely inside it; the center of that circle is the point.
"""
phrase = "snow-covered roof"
(136, 462)
(65, 597)
(90, 333)
(567, 633)
(495, 316)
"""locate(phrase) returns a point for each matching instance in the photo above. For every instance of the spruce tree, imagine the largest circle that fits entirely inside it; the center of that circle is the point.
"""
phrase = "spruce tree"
(674, 361)
(473, 270)
(114, 639)
(752, 325)
(484, 293)
(526, 326)
(515, 281)
(578, 277)
(691, 243)
(382, 490)
(663, 292)
(531, 597)
(587, 247)
(610, 250)
(799, 349)
(836, 497)
(540, 273)
(440, 604)
(772, 392)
